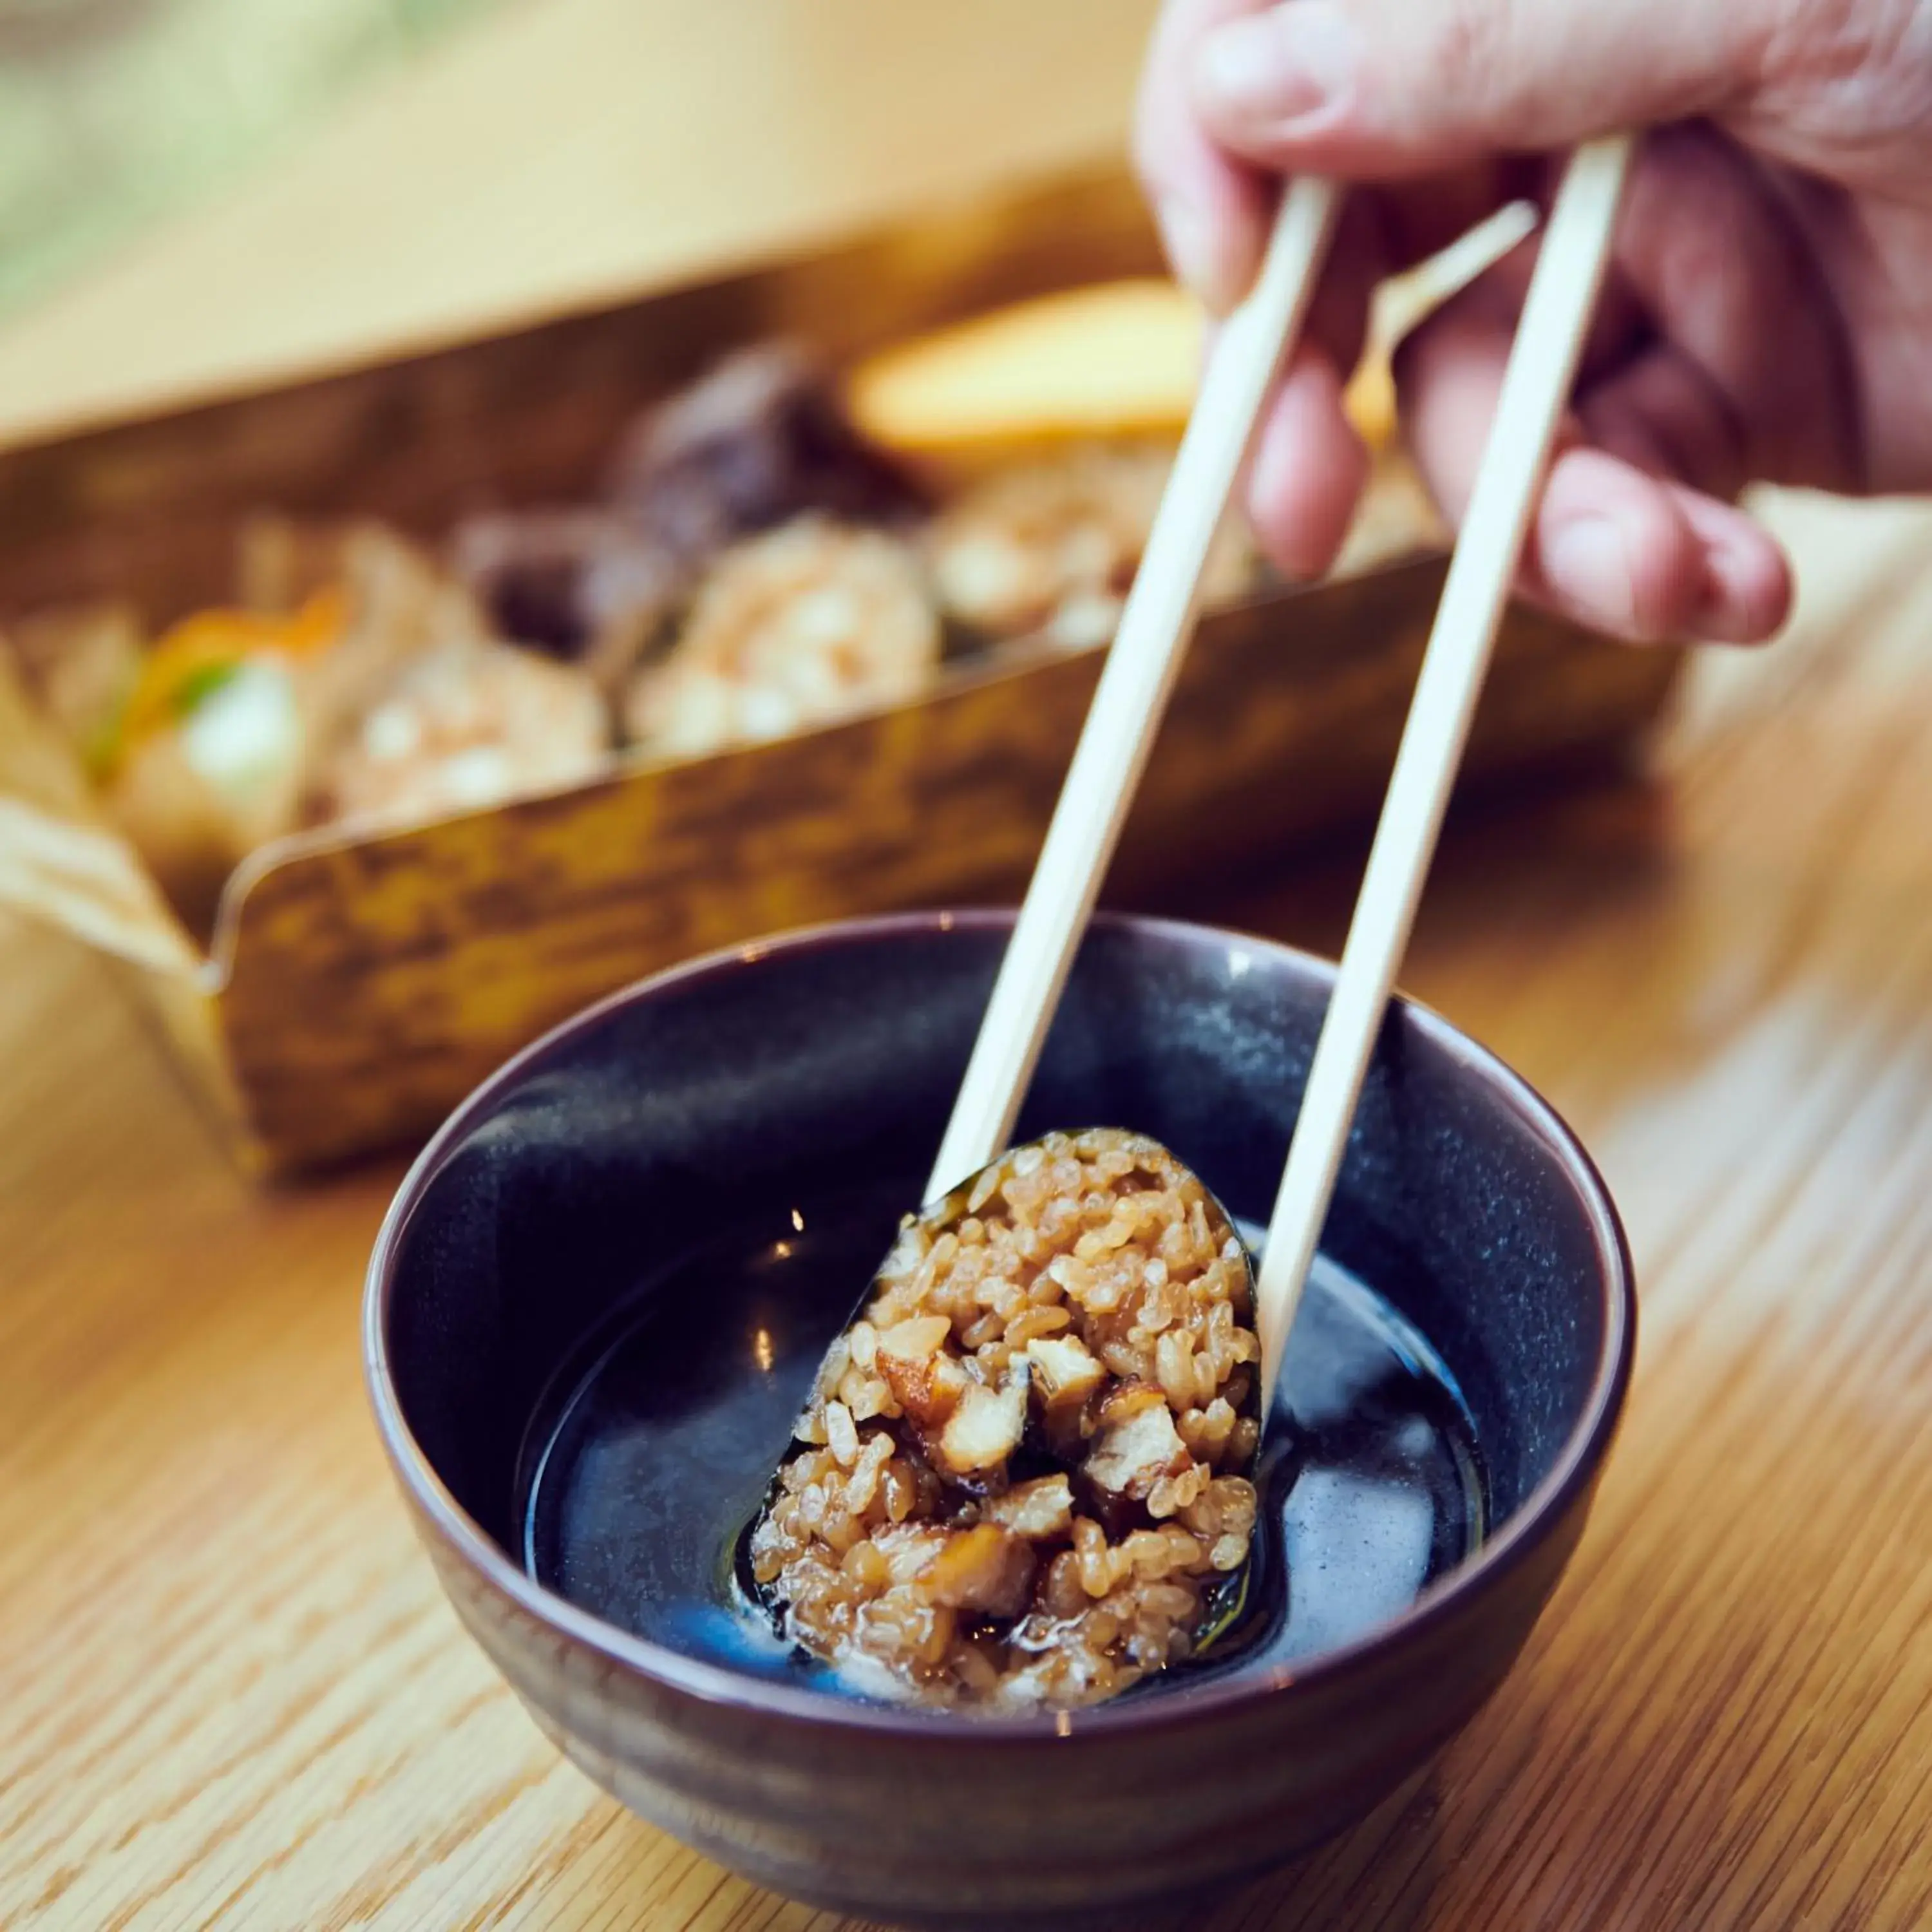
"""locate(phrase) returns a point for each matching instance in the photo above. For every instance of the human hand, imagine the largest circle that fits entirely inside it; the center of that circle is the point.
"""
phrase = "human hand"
(1768, 316)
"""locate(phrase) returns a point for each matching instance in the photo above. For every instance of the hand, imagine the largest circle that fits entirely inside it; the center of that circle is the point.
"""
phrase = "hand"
(1769, 312)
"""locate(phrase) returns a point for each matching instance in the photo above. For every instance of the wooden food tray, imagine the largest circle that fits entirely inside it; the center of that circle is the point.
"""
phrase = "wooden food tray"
(357, 986)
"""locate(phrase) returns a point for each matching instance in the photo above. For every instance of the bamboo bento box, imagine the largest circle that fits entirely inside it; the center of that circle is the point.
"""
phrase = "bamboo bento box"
(356, 985)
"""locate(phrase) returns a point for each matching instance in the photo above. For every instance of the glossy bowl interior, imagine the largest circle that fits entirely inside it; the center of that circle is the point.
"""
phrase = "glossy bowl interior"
(734, 1088)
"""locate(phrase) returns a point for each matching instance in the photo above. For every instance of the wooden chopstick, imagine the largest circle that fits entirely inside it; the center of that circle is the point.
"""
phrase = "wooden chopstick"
(1543, 362)
(1133, 690)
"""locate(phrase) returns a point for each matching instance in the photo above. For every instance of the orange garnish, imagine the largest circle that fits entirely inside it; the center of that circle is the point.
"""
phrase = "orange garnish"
(316, 625)
(186, 662)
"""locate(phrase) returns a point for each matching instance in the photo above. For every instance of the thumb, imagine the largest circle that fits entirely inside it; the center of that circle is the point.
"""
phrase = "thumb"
(1377, 89)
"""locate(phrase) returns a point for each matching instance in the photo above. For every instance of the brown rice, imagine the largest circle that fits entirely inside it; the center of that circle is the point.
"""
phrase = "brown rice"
(1017, 1481)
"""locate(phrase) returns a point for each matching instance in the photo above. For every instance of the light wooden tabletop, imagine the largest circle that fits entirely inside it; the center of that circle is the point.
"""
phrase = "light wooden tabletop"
(559, 152)
(233, 1697)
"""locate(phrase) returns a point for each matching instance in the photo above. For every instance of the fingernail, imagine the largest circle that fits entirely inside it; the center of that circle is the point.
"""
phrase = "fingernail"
(1587, 561)
(1285, 64)
(1193, 253)
(1744, 598)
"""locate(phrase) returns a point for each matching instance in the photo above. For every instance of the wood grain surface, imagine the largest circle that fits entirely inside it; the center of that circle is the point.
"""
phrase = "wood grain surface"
(234, 1697)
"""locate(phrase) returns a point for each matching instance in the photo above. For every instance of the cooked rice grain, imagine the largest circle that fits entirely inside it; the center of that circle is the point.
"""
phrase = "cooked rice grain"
(1018, 1476)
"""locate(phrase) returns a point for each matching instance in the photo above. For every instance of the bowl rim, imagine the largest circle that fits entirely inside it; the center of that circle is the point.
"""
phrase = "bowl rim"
(1535, 1517)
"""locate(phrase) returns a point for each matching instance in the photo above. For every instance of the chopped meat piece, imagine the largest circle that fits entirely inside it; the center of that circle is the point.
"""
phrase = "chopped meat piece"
(926, 1383)
(985, 1428)
(1043, 1507)
(985, 1568)
(928, 1390)
(915, 1339)
(1128, 1457)
(1065, 1370)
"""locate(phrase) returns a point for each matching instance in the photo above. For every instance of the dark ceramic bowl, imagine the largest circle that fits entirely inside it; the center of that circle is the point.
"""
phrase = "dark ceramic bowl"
(743, 1082)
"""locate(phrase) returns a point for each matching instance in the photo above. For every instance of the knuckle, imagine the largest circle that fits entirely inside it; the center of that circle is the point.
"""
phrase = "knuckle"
(1477, 61)
(1465, 52)
(1868, 61)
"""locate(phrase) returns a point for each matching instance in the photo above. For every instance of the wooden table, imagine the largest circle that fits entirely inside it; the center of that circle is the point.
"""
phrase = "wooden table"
(230, 1693)
(561, 152)
(234, 1696)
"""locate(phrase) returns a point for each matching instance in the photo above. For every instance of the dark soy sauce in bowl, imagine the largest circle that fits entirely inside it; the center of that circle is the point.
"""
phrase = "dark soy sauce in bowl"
(652, 1449)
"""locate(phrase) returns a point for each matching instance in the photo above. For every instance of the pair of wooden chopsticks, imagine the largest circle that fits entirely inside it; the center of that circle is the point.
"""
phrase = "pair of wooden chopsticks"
(1146, 654)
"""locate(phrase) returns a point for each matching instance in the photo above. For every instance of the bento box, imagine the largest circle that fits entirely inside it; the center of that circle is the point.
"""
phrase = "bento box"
(355, 980)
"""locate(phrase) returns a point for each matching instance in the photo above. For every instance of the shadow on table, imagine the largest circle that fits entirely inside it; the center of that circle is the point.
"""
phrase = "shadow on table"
(1382, 1874)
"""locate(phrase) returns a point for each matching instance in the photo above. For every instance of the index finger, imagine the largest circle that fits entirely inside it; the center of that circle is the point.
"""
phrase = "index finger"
(1212, 211)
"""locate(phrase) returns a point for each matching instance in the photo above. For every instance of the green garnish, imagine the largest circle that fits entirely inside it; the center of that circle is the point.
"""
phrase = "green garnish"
(199, 685)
